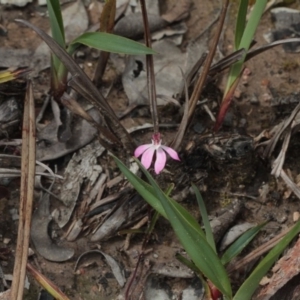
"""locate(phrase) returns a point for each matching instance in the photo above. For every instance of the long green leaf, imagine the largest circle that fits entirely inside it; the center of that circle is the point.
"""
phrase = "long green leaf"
(237, 247)
(194, 243)
(206, 223)
(57, 26)
(246, 40)
(110, 43)
(149, 195)
(249, 286)
(240, 22)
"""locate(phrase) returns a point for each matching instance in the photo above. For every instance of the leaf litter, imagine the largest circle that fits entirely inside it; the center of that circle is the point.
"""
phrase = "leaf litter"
(81, 181)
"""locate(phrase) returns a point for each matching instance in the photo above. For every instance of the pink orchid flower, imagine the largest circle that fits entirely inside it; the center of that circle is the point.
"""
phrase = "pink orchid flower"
(147, 151)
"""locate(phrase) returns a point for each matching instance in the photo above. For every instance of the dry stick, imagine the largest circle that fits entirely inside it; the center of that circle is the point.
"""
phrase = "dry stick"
(26, 197)
(150, 71)
(202, 79)
(184, 122)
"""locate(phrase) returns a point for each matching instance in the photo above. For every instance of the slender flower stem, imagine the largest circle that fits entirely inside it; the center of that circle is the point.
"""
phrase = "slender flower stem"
(150, 71)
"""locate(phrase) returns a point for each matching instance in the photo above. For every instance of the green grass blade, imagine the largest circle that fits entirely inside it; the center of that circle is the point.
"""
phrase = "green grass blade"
(194, 243)
(206, 223)
(56, 22)
(246, 40)
(247, 289)
(57, 27)
(240, 23)
(148, 193)
(237, 247)
(111, 43)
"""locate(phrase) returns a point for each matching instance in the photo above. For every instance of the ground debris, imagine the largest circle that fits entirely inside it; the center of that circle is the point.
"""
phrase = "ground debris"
(280, 284)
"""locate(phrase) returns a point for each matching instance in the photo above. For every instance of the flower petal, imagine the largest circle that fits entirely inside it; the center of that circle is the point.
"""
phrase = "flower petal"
(141, 149)
(147, 157)
(160, 161)
(171, 152)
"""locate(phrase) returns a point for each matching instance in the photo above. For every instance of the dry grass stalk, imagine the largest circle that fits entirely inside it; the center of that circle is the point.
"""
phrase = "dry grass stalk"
(26, 196)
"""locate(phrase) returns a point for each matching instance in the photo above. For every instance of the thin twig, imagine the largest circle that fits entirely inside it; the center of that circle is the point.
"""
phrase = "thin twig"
(203, 77)
(26, 197)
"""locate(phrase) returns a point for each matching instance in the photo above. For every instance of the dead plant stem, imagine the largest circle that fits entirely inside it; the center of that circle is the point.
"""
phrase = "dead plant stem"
(150, 71)
(26, 197)
(202, 79)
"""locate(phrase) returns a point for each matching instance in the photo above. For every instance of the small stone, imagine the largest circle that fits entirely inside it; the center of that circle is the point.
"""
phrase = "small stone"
(242, 122)
(296, 216)
(14, 214)
(265, 82)
(266, 97)
(95, 53)
(30, 252)
(155, 255)
(80, 54)
(6, 241)
(20, 3)
(247, 72)
(228, 119)
(198, 128)
(237, 93)
(254, 99)
(281, 219)
(42, 2)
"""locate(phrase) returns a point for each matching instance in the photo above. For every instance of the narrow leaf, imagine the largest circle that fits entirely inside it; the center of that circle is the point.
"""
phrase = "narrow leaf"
(226, 103)
(57, 30)
(194, 243)
(206, 223)
(246, 40)
(237, 247)
(110, 43)
(264, 48)
(148, 193)
(56, 22)
(240, 22)
(107, 18)
(249, 286)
